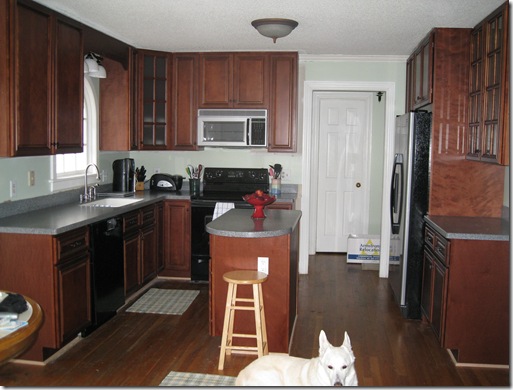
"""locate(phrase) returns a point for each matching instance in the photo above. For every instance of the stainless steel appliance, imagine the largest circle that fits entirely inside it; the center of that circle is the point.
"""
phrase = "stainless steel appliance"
(219, 185)
(107, 271)
(408, 206)
(123, 179)
(232, 128)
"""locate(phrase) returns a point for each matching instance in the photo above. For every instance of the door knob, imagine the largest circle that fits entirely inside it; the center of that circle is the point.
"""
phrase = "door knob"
(358, 185)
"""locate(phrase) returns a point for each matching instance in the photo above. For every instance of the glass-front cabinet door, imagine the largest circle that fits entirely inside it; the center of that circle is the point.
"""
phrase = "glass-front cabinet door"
(154, 92)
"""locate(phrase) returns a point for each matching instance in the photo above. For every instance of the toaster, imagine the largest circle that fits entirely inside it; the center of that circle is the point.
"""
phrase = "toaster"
(162, 182)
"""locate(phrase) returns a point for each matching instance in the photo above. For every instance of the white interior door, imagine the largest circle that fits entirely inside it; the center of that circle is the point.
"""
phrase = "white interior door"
(343, 168)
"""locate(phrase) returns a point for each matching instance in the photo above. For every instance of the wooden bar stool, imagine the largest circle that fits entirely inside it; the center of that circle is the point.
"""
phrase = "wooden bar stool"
(234, 278)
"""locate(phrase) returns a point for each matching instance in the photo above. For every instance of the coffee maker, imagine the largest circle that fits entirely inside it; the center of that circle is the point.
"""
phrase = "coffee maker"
(124, 175)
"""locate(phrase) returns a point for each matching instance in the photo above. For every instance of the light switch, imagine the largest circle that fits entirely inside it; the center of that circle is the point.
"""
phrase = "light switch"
(31, 178)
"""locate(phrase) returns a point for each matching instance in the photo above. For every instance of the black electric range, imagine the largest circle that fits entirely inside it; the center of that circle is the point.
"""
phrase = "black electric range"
(219, 185)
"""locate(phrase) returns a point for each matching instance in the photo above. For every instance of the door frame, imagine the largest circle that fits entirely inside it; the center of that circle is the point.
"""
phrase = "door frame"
(305, 248)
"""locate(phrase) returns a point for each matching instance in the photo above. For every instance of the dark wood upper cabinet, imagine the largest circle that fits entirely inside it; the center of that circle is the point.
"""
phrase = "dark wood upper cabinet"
(250, 80)
(117, 107)
(282, 114)
(233, 80)
(420, 75)
(48, 82)
(69, 88)
(184, 101)
(488, 137)
(153, 91)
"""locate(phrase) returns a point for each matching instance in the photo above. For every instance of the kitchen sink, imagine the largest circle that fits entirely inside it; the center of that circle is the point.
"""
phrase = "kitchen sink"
(111, 202)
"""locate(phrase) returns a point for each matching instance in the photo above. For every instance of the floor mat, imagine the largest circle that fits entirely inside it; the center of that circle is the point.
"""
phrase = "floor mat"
(162, 301)
(192, 379)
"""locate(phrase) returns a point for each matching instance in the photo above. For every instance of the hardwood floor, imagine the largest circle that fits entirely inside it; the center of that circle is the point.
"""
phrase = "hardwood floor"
(140, 349)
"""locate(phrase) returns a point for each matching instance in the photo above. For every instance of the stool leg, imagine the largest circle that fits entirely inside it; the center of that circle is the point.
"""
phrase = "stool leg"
(262, 316)
(258, 320)
(227, 311)
(233, 303)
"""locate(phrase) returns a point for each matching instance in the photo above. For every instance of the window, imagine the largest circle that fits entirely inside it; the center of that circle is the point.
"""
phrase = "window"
(68, 169)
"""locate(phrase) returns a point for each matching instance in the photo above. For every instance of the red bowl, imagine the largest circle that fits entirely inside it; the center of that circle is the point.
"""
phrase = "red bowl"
(263, 200)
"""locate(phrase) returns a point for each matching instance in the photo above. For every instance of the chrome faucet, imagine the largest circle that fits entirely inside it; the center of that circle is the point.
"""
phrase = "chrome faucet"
(89, 196)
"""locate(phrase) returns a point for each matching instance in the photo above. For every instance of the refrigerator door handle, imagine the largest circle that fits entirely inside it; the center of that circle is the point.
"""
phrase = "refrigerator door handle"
(396, 201)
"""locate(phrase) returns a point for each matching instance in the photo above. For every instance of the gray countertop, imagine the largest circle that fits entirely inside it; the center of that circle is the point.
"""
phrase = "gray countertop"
(65, 217)
(238, 223)
(471, 228)
(60, 219)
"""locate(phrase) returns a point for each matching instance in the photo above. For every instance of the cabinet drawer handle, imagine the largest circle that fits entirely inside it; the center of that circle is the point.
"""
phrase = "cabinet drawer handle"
(76, 244)
(440, 250)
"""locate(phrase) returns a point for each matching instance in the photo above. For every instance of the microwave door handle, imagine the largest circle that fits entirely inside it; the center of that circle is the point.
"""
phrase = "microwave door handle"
(248, 124)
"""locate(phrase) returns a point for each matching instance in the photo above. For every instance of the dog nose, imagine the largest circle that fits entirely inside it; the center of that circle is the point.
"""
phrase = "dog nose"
(338, 384)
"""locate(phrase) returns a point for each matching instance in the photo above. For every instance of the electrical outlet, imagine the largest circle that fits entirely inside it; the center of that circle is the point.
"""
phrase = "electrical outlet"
(263, 265)
(31, 178)
(285, 174)
(12, 188)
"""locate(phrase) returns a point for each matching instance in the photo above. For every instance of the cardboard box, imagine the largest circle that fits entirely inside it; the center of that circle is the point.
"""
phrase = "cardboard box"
(366, 249)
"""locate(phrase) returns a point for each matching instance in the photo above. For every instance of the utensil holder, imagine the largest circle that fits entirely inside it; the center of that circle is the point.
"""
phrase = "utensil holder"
(194, 187)
(275, 187)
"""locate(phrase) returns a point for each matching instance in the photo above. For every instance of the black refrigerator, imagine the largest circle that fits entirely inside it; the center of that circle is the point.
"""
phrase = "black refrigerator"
(409, 200)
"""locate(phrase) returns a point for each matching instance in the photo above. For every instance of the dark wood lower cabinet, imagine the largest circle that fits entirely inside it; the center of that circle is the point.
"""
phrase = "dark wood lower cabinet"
(465, 297)
(73, 278)
(140, 236)
(54, 271)
(176, 238)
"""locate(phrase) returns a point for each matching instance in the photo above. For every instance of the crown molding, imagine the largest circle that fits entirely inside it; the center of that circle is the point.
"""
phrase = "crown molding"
(348, 58)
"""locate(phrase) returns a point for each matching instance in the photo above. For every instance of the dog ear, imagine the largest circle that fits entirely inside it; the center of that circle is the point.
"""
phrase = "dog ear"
(347, 341)
(323, 342)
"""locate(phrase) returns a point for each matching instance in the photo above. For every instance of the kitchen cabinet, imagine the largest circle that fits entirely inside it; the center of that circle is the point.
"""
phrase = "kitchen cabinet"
(117, 106)
(140, 247)
(450, 190)
(160, 236)
(153, 105)
(184, 101)
(233, 80)
(177, 238)
(281, 206)
(488, 136)
(282, 113)
(465, 296)
(421, 68)
(47, 73)
(55, 272)
(232, 249)
(434, 284)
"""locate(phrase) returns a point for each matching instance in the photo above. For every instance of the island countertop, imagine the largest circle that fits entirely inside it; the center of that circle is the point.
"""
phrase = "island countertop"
(238, 223)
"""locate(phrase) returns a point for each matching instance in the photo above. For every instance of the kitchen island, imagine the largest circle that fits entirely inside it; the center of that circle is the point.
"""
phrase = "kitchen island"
(236, 242)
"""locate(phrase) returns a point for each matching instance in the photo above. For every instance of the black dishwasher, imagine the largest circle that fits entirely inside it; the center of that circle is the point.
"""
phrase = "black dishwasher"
(107, 271)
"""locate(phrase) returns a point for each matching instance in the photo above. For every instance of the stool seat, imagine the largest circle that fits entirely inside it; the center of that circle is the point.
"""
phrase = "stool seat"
(245, 277)
(255, 304)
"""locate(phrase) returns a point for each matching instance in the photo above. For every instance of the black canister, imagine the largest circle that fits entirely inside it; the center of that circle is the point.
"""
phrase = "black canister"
(123, 175)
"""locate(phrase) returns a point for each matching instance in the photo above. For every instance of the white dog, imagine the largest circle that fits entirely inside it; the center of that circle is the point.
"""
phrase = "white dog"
(333, 367)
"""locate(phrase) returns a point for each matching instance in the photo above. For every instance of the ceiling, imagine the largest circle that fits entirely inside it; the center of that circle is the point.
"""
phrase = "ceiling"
(326, 27)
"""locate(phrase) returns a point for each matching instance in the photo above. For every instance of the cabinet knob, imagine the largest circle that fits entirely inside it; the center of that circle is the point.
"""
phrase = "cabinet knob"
(358, 185)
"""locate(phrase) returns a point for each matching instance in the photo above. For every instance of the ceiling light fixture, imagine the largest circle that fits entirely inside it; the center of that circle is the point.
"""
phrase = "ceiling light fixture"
(93, 65)
(274, 27)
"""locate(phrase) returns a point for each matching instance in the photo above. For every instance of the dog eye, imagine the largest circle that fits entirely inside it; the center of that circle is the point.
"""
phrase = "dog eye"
(344, 367)
(330, 367)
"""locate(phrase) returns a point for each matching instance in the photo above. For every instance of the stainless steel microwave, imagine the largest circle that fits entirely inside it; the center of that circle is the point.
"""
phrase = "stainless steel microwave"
(232, 128)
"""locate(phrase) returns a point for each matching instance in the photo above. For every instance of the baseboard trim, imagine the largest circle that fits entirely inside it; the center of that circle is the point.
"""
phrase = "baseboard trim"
(476, 365)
